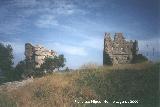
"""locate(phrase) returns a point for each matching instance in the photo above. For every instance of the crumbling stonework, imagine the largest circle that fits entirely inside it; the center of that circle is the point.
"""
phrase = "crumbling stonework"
(118, 51)
(36, 54)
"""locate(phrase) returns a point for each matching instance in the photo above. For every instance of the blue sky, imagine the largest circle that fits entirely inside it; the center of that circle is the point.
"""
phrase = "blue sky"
(76, 28)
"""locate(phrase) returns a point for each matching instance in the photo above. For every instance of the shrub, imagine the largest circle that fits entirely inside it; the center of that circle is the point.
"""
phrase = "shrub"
(52, 63)
(139, 58)
(89, 66)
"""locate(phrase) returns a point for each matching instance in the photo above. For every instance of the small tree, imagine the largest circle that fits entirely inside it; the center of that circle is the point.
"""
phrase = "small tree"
(60, 61)
(51, 63)
(20, 69)
(106, 59)
(6, 62)
(24, 69)
(48, 64)
(30, 67)
(135, 48)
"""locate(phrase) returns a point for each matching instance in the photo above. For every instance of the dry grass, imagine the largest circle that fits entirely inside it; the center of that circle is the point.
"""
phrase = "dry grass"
(138, 66)
(57, 90)
(62, 89)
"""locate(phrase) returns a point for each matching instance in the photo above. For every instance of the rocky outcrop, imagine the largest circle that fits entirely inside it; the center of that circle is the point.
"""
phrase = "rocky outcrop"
(118, 51)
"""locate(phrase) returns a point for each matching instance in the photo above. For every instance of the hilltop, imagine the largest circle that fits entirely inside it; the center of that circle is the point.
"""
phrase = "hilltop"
(137, 82)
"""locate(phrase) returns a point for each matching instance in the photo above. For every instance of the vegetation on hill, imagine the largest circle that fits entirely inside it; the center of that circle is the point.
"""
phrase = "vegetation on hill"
(6, 63)
(25, 68)
(120, 83)
(139, 58)
(110, 83)
(50, 64)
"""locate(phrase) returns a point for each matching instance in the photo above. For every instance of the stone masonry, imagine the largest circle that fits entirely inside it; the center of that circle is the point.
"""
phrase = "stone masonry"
(36, 54)
(118, 51)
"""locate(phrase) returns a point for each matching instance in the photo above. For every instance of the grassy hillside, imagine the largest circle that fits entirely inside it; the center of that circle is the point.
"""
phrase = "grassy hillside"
(113, 84)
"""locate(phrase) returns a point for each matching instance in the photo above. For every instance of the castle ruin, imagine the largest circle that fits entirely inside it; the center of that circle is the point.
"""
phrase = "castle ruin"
(118, 51)
(36, 54)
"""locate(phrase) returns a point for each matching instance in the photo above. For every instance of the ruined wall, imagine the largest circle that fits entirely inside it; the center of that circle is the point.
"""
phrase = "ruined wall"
(119, 50)
(37, 54)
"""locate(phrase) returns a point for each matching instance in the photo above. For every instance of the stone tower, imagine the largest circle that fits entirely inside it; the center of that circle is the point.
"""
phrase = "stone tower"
(118, 51)
(36, 54)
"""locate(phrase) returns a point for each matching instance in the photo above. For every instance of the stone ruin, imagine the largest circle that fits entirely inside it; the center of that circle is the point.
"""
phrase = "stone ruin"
(36, 54)
(118, 51)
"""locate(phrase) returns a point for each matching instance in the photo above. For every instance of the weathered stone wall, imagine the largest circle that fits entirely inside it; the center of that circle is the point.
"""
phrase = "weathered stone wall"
(29, 51)
(37, 54)
(119, 50)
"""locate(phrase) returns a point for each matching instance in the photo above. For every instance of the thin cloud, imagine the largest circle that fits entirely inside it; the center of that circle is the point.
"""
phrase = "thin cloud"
(95, 43)
(68, 49)
(18, 50)
(45, 12)
(148, 45)
(18, 47)
(24, 3)
(46, 21)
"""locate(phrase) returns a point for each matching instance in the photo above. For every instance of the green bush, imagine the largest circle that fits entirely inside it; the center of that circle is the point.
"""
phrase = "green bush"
(139, 58)
(52, 63)
(6, 63)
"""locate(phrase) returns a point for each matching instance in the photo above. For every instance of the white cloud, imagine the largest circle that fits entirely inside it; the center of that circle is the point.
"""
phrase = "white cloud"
(18, 50)
(24, 3)
(150, 48)
(18, 47)
(148, 45)
(46, 21)
(92, 42)
(64, 7)
(68, 49)
(56, 7)
(20, 11)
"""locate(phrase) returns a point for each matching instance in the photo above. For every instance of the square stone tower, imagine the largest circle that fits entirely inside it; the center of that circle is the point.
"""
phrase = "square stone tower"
(118, 51)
